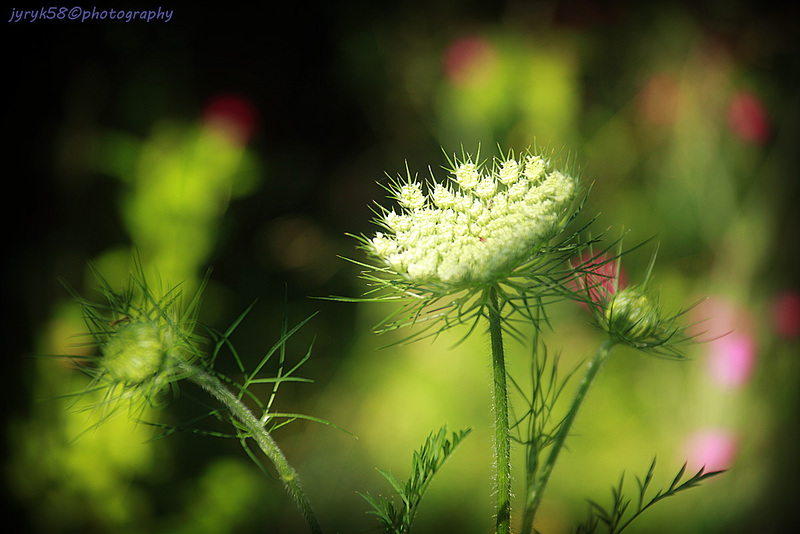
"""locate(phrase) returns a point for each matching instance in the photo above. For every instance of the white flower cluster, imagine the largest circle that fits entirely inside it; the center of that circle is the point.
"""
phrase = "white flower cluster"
(480, 228)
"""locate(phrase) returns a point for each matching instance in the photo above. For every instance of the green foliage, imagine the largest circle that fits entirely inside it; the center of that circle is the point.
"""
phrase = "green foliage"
(244, 388)
(269, 419)
(536, 428)
(397, 519)
(616, 519)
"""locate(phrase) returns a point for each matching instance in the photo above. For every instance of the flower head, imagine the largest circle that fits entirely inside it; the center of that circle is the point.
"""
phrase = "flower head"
(479, 227)
(485, 226)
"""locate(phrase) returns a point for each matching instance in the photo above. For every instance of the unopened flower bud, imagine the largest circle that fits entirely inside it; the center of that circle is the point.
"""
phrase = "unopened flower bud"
(632, 316)
(133, 354)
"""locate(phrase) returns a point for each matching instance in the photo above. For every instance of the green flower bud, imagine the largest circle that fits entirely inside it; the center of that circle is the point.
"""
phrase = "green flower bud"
(133, 354)
(633, 317)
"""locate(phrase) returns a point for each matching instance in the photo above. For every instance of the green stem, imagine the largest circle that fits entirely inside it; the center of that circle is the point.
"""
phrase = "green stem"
(287, 474)
(535, 496)
(502, 443)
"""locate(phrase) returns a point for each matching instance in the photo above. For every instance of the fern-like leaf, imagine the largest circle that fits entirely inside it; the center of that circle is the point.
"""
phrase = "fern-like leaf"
(426, 462)
(614, 518)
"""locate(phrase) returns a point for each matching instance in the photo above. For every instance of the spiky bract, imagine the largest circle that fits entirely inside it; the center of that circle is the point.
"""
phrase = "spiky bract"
(143, 338)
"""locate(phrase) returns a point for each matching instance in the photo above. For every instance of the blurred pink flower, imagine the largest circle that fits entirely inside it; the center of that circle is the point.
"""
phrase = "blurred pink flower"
(748, 119)
(602, 280)
(732, 359)
(232, 115)
(786, 315)
(466, 59)
(714, 449)
(731, 346)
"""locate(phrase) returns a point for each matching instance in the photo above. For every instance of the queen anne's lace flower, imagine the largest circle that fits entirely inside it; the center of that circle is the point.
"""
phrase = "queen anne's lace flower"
(478, 228)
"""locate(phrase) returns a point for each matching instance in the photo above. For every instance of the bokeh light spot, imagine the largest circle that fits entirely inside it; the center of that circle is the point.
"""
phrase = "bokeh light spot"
(728, 330)
(786, 315)
(232, 115)
(466, 60)
(748, 119)
(732, 359)
(659, 98)
(713, 449)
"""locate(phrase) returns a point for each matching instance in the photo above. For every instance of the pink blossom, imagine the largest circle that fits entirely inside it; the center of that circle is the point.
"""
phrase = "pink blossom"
(602, 279)
(728, 331)
(732, 359)
(714, 449)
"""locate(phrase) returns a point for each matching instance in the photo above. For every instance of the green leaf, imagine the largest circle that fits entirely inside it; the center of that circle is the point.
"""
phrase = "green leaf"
(614, 517)
(425, 463)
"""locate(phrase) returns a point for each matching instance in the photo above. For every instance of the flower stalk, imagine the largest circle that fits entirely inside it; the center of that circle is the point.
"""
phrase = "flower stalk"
(256, 430)
(502, 443)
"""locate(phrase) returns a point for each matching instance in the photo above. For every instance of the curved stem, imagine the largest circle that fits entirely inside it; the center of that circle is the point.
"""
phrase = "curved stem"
(502, 443)
(287, 474)
(535, 496)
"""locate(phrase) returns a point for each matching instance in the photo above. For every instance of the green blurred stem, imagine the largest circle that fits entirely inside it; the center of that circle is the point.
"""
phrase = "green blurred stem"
(502, 442)
(535, 495)
(256, 429)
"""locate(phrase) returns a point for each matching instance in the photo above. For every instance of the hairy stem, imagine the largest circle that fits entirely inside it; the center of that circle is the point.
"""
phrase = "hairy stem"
(535, 496)
(287, 474)
(502, 443)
